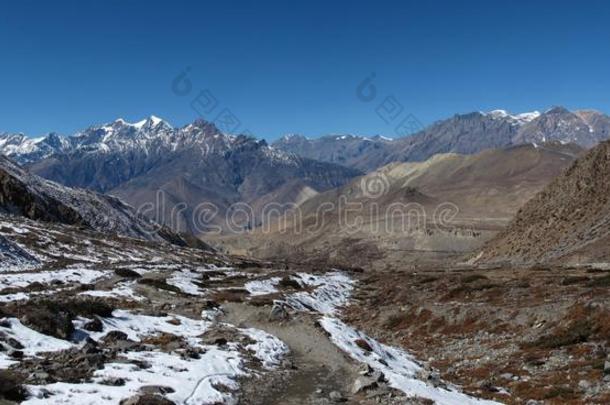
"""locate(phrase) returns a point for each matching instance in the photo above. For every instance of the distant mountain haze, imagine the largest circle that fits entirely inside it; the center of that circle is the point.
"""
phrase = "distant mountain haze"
(175, 170)
(462, 133)
(149, 162)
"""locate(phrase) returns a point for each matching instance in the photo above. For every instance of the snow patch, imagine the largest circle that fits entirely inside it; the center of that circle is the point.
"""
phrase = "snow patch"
(123, 290)
(262, 287)
(33, 342)
(70, 275)
(399, 367)
(331, 291)
(184, 280)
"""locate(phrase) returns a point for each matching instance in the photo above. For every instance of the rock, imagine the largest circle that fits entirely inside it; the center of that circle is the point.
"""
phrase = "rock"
(43, 317)
(16, 354)
(114, 381)
(146, 399)
(11, 387)
(336, 396)
(153, 312)
(14, 343)
(607, 366)
(365, 369)
(156, 389)
(94, 326)
(488, 386)
(430, 377)
(584, 385)
(278, 312)
(39, 376)
(363, 344)
(126, 273)
(219, 336)
(364, 383)
(91, 347)
(191, 353)
(507, 376)
(114, 336)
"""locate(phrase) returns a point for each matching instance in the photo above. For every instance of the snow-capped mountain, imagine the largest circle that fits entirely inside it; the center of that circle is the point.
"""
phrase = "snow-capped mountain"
(198, 163)
(585, 128)
(519, 119)
(349, 150)
(463, 133)
(25, 150)
(191, 165)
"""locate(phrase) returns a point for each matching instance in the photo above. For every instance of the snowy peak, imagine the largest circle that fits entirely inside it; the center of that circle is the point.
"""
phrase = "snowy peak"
(293, 138)
(528, 116)
(151, 122)
(520, 119)
(584, 128)
(25, 150)
(148, 124)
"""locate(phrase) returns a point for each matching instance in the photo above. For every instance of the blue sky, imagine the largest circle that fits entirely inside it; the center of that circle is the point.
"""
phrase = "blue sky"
(281, 67)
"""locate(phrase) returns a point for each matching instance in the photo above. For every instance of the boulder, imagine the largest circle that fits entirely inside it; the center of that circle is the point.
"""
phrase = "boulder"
(146, 399)
(278, 312)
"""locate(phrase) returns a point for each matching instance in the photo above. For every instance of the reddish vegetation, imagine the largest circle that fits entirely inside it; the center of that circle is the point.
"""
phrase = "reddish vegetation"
(528, 331)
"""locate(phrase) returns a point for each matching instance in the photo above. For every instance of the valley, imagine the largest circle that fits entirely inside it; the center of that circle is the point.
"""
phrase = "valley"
(473, 275)
(124, 320)
(304, 203)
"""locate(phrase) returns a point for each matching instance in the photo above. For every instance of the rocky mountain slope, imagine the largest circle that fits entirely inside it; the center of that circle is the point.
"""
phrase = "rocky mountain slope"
(101, 319)
(25, 194)
(448, 204)
(462, 133)
(568, 220)
(363, 153)
(174, 171)
(25, 150)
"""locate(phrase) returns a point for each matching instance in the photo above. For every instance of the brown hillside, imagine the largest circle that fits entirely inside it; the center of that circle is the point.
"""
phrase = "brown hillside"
(569, 219)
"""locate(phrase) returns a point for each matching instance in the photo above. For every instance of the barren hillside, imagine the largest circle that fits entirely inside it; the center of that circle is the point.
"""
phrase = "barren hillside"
(569, 219)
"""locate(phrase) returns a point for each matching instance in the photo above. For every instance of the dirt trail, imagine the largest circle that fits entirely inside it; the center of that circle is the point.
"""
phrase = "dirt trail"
(319, 368)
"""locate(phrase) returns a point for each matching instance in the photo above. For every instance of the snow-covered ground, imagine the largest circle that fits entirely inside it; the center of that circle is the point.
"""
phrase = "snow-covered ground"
(65, 276)
(399, 367)
(331, 292)
(193, 380)
(121, 290)
(210, 377)
(262, 287)
(184, 280)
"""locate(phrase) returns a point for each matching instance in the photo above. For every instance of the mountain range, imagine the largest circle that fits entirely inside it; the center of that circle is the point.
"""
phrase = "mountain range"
(462, 133)
(27, 195)
(402, 212)
(176, 169)
(194, 178)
